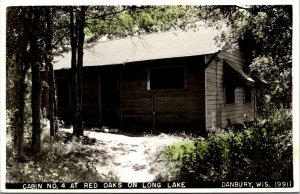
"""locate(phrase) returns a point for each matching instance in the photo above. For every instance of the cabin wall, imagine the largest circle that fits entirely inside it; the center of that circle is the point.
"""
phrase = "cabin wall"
(118, 96)
(168, 109)
(91, 95)
(63, 93)
(217, 111)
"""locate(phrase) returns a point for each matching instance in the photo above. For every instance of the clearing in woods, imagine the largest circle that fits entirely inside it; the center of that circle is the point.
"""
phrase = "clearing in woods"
(127, 158)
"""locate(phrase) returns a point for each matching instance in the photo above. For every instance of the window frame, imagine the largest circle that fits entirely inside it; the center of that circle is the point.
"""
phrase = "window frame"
(166, 67)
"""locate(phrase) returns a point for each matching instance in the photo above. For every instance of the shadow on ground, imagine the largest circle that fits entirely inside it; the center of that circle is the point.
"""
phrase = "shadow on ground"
(122, 156)
(95, 156)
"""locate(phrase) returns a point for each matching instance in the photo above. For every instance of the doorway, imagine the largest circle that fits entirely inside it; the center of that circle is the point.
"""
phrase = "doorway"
(110, 99)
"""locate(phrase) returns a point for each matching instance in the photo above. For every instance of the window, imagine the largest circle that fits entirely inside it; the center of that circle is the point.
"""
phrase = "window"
(247, 94)
(229, 94)
(166, 78)
(63, 93)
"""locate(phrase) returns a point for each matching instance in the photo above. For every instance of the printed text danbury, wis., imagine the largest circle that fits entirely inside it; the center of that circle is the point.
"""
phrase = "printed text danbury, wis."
(236, 184)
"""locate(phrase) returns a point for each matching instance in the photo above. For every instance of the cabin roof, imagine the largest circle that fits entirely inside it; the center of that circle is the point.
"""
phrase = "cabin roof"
(146, 47)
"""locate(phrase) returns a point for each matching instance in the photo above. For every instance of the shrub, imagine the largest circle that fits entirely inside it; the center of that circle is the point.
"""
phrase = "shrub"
(262, 152)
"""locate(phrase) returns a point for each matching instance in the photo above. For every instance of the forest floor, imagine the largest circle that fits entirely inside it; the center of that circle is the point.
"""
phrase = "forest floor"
(127, 158)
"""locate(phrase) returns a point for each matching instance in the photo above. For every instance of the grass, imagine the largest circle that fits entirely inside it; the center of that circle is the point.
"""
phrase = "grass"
(155, 145)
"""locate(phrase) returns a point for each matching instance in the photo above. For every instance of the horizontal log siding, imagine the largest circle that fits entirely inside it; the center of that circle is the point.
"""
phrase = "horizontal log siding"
(217, 112)
(182, 108)
(90, 98)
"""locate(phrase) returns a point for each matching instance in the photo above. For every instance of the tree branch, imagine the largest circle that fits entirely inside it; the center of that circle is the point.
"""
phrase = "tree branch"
(102, 16)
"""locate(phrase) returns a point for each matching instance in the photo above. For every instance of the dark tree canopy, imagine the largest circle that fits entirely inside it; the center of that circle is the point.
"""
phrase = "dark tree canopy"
(265, 35)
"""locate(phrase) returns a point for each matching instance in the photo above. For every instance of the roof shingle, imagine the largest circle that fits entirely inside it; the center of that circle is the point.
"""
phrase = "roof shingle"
(146, 47)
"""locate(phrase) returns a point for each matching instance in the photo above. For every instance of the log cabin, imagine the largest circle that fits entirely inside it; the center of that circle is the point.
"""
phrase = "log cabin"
(167, 80)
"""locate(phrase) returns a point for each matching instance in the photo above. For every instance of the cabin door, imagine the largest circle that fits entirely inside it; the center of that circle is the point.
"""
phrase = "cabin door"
(91, 110)
(109, 98)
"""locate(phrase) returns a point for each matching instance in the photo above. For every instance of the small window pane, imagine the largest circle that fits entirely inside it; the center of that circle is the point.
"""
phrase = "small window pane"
(230, 94)
(167, 78)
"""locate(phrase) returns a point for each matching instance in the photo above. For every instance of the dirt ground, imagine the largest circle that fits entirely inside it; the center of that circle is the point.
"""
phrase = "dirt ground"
(127, 158)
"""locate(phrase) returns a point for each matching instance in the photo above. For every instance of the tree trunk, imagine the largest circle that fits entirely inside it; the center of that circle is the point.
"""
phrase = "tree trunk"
(50, 76)
(22, 69)
(77, 41)
(36, 84)
(45, 92)
(52, 101)
(19, 114)
(55, 105)
(81, 23)
(36, 107)
(74, 69)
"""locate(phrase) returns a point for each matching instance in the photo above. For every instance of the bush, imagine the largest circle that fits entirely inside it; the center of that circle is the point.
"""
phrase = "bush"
(262, 152)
